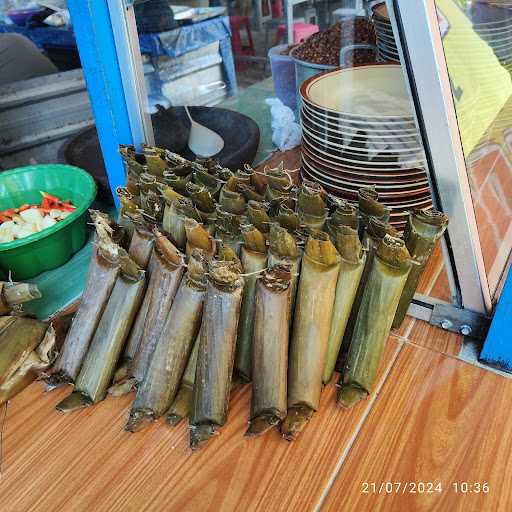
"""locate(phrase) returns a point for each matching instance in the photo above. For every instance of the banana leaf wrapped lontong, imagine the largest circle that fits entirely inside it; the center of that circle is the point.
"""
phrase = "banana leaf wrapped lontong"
(270, 350)
(424, 228)
(216, 351)
(169, 359)
(351, 269)
(13, 295)
(253, 256)
(27, 349)
(103, 273)
(374, 232)
(107, 344)
(166, 272)
(389, 270)
(311, 328)
(182, 403)
(283, 249)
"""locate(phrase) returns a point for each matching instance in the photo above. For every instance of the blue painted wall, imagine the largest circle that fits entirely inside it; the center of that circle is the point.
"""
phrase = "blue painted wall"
(497, 349)
(95, 40)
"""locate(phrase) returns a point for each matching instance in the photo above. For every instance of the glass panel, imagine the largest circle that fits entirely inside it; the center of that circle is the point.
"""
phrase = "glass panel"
(477, 39)
(43, 95)
(275, 47)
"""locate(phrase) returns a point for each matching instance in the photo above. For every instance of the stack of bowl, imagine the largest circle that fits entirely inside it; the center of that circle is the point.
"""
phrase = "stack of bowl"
(386, 45)
(359, 130)
(493, 23)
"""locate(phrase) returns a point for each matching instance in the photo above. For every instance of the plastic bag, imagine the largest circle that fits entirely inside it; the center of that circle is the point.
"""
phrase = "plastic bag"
(286, 133)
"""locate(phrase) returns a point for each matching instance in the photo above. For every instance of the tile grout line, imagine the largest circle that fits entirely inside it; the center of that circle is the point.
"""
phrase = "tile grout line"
(358, 428)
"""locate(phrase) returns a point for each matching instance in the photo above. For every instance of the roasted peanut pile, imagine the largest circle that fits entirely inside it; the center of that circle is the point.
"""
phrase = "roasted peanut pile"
(324, 47)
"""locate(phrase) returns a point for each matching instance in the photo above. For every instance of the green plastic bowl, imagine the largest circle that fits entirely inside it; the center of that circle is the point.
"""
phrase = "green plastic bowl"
(51, 247)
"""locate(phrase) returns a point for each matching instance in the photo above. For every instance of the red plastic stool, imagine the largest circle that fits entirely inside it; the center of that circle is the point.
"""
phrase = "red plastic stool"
(277, 9)
(237, 23)
(301, 31)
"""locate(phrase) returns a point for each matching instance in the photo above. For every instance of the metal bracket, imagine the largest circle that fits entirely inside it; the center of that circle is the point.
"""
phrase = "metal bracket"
(462, 321)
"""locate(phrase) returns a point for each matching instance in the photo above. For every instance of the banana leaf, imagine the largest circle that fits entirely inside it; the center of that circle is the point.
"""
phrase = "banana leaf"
(370, 207)
(103, 273)
(374, 233)
(175, 342)
(27, 348)
(178, 182)
(107, 344)
(135, 166)
(203, 201)
(216, 351)
(129, 202)
(169, 196)
(270, 351)
(155, 160)
(232, 202)
(163, 285)
(283, 250)
(288, 218)
(424, 228)
(311, 327)
(254, 259)
(141, 245)
(182, 404)
(122, 379)
(199, 238)
(311, 206)
(344, 215)
(388, 275)
(351, 269)
(13, 295)
(257, 213)
(179, 211)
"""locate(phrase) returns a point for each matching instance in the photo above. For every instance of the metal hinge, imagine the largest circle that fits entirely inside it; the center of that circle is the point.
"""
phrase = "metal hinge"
(462, 321)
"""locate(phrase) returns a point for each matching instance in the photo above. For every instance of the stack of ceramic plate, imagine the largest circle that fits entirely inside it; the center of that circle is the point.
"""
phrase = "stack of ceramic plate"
(386, 44)
(359, 130)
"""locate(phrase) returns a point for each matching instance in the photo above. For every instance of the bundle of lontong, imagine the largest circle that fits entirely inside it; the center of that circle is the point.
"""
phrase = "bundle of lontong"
(27, 346)
(250, 277)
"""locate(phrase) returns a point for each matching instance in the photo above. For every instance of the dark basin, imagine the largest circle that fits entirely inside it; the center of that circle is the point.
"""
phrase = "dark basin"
(240, 133)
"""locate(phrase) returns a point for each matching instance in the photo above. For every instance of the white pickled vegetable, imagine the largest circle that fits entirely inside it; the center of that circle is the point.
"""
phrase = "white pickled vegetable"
(48, 222)
(33, 216)
(6, 231)
(24, 230)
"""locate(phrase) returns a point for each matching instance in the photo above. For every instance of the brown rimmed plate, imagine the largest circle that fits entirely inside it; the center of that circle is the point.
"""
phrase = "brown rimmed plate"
(379, 130)
(359, 161)
(402, 175)
(360, 138)
(398, 207)
(366, 177)
(394, 190)
(357, 146)
(353, 92)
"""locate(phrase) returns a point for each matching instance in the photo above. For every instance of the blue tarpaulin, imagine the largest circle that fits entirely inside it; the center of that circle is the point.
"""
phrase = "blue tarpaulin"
(173, 43)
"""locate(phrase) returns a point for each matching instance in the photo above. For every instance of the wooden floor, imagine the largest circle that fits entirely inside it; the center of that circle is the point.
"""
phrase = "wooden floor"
(432, 418)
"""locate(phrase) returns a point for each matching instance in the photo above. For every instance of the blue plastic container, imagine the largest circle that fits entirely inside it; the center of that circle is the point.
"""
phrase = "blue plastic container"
(283, 75)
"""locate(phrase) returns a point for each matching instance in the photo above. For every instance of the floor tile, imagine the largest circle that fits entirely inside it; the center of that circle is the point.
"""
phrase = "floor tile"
(438, 420)
(85, 461)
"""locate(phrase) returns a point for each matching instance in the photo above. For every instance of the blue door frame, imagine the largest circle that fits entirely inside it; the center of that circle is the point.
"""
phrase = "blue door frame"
(96, 45)
(497, 349)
